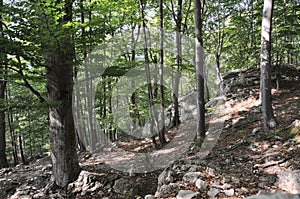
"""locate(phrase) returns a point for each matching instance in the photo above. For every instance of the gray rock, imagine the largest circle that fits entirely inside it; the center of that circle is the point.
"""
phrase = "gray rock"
(191, 177)
(223, 186)
(149, 197)
(165, 190)
(39, 195)
(255, 131)
(165, 177)
(229, 192)
(213, 192)
(87, 182)
(201, 184)
(211, 172)
(186, 194)
(264, 195)
(124, 186)
(289, 181)
(235, 180)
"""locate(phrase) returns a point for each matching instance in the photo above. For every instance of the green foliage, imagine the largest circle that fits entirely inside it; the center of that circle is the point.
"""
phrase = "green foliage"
(33, 29)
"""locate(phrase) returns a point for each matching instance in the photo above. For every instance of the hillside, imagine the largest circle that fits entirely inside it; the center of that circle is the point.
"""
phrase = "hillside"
(244, 161)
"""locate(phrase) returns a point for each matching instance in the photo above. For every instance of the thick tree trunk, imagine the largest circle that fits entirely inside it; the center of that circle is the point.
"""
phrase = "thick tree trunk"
(59, 75)
(265, 64)
(199, 68)
(3, 160)
(59, 83)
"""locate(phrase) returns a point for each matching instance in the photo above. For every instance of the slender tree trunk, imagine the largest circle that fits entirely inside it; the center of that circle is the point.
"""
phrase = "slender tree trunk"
(161, 134)
(22, 153)
(110, 126)
(265, 64)
(178, 20)
(199, 68)
(59, 83)
(13, 139)
(3, 159)
(147, 69)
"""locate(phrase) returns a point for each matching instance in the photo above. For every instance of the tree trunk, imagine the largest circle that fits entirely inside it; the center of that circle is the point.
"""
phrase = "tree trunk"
(59, 83)
(178, 20)
(13, 139)
(199, 68)
(22, 153)
(147, 69)
(161, 133)
(3, 159)
(265, 64)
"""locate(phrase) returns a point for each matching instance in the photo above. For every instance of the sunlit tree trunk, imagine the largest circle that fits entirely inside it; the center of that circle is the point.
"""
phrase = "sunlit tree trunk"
(178, 21)
(148, 75)
(199, 68)
(265, 64)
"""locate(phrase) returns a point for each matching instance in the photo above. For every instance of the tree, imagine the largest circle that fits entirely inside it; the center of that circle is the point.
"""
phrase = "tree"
(161, 73)
(3, 160)
(178, 21)
(59, 56)
(199, 69)
(152, 117)
(265, 64)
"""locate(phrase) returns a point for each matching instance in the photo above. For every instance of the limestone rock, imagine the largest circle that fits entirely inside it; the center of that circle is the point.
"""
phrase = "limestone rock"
(229, 192)
(191, 177)
(165, 190)
(149, 196)
(213, 192)
(289, 181)
(201, 184)
(274, 196)
(123, 186)
(186, 194)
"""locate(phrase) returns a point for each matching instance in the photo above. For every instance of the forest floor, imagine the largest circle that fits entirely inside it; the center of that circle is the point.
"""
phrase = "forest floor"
(245, 156)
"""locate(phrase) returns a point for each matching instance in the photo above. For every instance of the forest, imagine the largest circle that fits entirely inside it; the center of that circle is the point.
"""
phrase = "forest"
(149, 99)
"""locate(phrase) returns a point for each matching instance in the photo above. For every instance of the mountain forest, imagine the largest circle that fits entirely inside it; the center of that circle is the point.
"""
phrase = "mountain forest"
(149, 99)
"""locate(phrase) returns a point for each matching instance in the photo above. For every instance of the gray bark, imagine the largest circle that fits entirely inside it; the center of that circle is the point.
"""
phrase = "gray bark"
(265, 64)
(199, 68)
(161, 134)
(59, 83)
(178, 20)
(148, 76)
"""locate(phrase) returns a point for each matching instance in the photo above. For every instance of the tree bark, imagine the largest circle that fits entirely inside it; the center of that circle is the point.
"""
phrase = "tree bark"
(148, 76)
(265, 64)
(59, 83)
(3, 159)
(178, 20)
(161, 133)
(199, 68)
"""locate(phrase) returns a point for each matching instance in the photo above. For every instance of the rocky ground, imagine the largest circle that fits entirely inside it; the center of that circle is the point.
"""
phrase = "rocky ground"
(243, 162)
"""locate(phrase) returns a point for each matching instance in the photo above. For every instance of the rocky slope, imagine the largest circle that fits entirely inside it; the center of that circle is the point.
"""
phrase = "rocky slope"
(244, 161)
